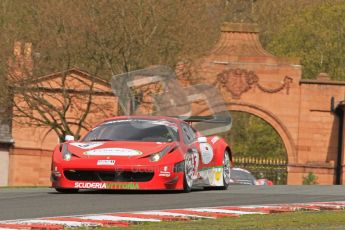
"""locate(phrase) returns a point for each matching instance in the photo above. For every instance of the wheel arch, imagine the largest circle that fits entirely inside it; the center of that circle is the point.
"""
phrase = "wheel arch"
(219, 148)
(227, 148)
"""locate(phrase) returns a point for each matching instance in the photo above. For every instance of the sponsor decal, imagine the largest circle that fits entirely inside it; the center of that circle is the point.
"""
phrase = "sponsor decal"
(106, 162)
(214, 139)
(98, 185)
(122, 186)
(89, 185)
(89, 145)
(218, 175)
(206, 153)
(164, 174)
(113, 152)
(213, 175)
(210, 177)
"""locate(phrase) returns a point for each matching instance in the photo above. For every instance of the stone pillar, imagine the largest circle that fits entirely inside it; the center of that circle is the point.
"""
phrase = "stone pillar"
(342, 179)
(340, 162)
(4, 166)
(6, 142)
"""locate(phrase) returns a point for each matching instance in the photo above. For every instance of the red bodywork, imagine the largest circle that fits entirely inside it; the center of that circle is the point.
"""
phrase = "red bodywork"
(137, 171)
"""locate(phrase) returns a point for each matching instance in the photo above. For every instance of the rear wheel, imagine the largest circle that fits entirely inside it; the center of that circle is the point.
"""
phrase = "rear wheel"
(226, 171)
(67, 190)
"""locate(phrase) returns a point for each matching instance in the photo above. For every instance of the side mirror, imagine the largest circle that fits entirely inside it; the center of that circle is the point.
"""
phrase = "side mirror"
(202, 139)
(69, 138)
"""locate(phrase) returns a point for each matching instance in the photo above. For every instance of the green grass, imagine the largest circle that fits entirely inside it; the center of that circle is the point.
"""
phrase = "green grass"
(297, 220)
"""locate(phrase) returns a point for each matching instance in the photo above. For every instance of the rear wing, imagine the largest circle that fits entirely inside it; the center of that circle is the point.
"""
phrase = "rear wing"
(207, 119)
(209, 125)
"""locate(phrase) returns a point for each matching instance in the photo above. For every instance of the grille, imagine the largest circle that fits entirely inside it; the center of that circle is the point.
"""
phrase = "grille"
(117, 176)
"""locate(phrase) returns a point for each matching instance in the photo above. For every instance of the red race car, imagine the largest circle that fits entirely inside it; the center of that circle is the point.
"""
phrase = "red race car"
(144, 153)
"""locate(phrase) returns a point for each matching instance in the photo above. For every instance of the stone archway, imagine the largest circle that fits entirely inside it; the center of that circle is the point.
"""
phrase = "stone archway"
(302, 111)
(272, 120)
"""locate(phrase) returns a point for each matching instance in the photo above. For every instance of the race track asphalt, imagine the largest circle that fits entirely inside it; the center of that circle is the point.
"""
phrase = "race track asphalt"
(22, 203)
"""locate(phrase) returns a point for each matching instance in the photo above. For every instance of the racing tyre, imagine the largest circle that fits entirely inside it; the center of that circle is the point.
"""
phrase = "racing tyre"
(67, 190)
(226, 171)
(188, 172)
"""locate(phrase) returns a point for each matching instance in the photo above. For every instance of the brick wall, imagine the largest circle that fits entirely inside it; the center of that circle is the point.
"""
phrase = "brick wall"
(29, 167)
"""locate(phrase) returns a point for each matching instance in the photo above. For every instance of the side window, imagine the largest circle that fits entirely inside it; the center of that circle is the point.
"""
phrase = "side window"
(189, 135)
(192, 133)
(186, 135)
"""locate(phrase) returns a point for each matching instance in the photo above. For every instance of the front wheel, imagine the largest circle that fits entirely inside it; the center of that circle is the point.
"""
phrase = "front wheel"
(189, 170)
(67, 190)
(226, 171)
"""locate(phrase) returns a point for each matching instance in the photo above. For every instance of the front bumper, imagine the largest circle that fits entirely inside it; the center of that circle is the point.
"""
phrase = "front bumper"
(163, 177)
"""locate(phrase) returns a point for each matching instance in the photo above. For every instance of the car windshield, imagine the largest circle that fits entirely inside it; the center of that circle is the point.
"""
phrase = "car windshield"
(134, 130)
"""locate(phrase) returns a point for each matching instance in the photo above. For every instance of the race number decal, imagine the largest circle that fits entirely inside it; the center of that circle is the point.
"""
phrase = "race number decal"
(206, 153)
(195, 159)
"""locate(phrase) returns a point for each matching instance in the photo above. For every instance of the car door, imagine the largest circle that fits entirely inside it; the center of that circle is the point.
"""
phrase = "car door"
(190, 140)
(206, 150)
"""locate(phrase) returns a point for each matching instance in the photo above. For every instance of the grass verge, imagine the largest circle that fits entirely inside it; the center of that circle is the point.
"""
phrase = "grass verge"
(296, 220)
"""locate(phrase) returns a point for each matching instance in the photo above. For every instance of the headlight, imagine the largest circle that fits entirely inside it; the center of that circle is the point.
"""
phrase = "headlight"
(65, 154)
(157, 156)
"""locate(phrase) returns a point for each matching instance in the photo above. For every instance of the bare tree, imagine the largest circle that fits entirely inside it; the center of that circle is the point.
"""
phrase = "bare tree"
(111, 37)
(61, 102)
